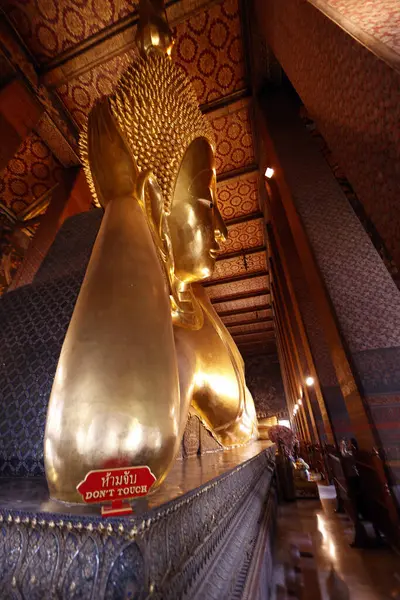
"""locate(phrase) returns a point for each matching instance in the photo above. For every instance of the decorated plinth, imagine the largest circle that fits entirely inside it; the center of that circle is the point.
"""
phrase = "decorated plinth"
(177, 549)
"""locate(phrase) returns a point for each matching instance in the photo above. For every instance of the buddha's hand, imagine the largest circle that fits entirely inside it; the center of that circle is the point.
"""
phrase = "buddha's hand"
(111, 166)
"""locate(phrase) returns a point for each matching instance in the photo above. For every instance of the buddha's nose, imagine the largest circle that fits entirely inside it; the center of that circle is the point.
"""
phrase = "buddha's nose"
(220, 230)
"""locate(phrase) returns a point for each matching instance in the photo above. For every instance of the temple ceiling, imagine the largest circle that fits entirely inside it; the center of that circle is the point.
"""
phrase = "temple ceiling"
(71, 53)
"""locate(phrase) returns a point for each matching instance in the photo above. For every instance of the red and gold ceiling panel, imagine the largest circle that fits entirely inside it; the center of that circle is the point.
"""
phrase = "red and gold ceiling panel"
(209, 48)
(244, 236)
(248, 316)
(80, 94)
(238, 287)
(28, 175)
(253, 327)
(238, 197)
(240, 265)
(232, 130)
(49, 27)
(247, 303)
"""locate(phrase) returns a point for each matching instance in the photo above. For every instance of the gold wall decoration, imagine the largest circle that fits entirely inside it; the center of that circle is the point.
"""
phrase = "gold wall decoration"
(144, 343)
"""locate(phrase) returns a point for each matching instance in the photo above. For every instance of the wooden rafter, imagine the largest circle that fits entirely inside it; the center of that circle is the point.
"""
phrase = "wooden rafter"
(249, 322)
(243, 296)
(242, 311)
(234, 278)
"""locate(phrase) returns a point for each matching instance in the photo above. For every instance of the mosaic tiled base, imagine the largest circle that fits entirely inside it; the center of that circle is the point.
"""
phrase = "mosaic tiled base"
(177, 550)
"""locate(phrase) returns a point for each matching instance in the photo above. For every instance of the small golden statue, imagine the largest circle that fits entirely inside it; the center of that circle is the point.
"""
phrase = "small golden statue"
(144, 344)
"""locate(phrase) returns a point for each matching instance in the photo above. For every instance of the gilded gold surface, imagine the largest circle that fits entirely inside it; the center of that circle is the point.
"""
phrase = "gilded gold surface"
(144, 343)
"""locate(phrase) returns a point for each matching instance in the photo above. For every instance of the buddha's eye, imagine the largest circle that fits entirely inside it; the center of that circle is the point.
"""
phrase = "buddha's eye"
(206, 202)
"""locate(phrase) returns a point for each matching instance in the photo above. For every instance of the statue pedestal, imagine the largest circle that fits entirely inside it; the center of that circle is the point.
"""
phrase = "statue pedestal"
(206, 533)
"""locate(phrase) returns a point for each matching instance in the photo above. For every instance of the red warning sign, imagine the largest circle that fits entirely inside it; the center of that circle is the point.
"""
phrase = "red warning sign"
(116, 485)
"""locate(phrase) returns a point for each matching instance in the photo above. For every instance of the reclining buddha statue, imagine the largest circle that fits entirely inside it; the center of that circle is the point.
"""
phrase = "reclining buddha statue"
(144, 345)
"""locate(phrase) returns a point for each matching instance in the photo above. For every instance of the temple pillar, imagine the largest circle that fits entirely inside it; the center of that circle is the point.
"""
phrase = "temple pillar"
(357, 300)
(19, 113)
(284, 316)
(326, 399)
(71, 196)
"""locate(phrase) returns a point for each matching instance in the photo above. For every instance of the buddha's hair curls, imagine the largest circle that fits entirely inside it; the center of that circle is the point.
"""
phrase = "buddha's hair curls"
(156, 108)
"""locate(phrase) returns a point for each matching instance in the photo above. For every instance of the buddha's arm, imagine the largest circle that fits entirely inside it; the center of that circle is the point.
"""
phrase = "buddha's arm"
(115, 398)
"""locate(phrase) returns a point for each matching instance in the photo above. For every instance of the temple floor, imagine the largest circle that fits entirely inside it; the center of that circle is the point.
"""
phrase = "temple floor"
(31, 494)
(372, 574)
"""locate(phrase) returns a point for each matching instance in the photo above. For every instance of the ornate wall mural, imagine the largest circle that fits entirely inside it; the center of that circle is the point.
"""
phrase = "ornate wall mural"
(264, 380)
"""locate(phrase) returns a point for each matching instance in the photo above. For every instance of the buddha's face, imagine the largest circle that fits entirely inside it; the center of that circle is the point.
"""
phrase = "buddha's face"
(195, 223)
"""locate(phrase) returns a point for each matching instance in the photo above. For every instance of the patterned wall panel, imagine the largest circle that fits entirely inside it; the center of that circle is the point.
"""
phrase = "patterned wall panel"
(238, 197)
(209, 48)
(240, 265)
(248, 316)
(351, 196)
(365, 298)
(31, 172)
(379, 19)
(248, 303)
(264, 380)
(354, 98)
(50, 27)
(242, 236)
(238, 287)
(233, 135)
(80, 94)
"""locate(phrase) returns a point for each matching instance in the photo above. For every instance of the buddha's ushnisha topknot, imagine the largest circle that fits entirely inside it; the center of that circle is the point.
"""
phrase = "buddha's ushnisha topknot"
(156, 108)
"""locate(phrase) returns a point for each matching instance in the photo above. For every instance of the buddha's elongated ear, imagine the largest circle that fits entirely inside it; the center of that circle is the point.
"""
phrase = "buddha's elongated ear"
(151, 199)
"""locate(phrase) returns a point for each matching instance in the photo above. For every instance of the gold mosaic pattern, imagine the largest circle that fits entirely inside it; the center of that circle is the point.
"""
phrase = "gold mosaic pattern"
(28, 175)
(80, 94)
(238, 197)
(242, 236)
(240, 265)
(234, 140)
(50, 27)
(209, 47)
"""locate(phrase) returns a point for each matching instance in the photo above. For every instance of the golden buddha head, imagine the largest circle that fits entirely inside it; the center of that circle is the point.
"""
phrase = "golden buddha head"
(171, 145)
(156, 108)
(195, 223)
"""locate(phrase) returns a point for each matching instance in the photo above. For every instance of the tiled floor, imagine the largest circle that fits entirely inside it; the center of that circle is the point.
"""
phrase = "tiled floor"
(368, 574)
